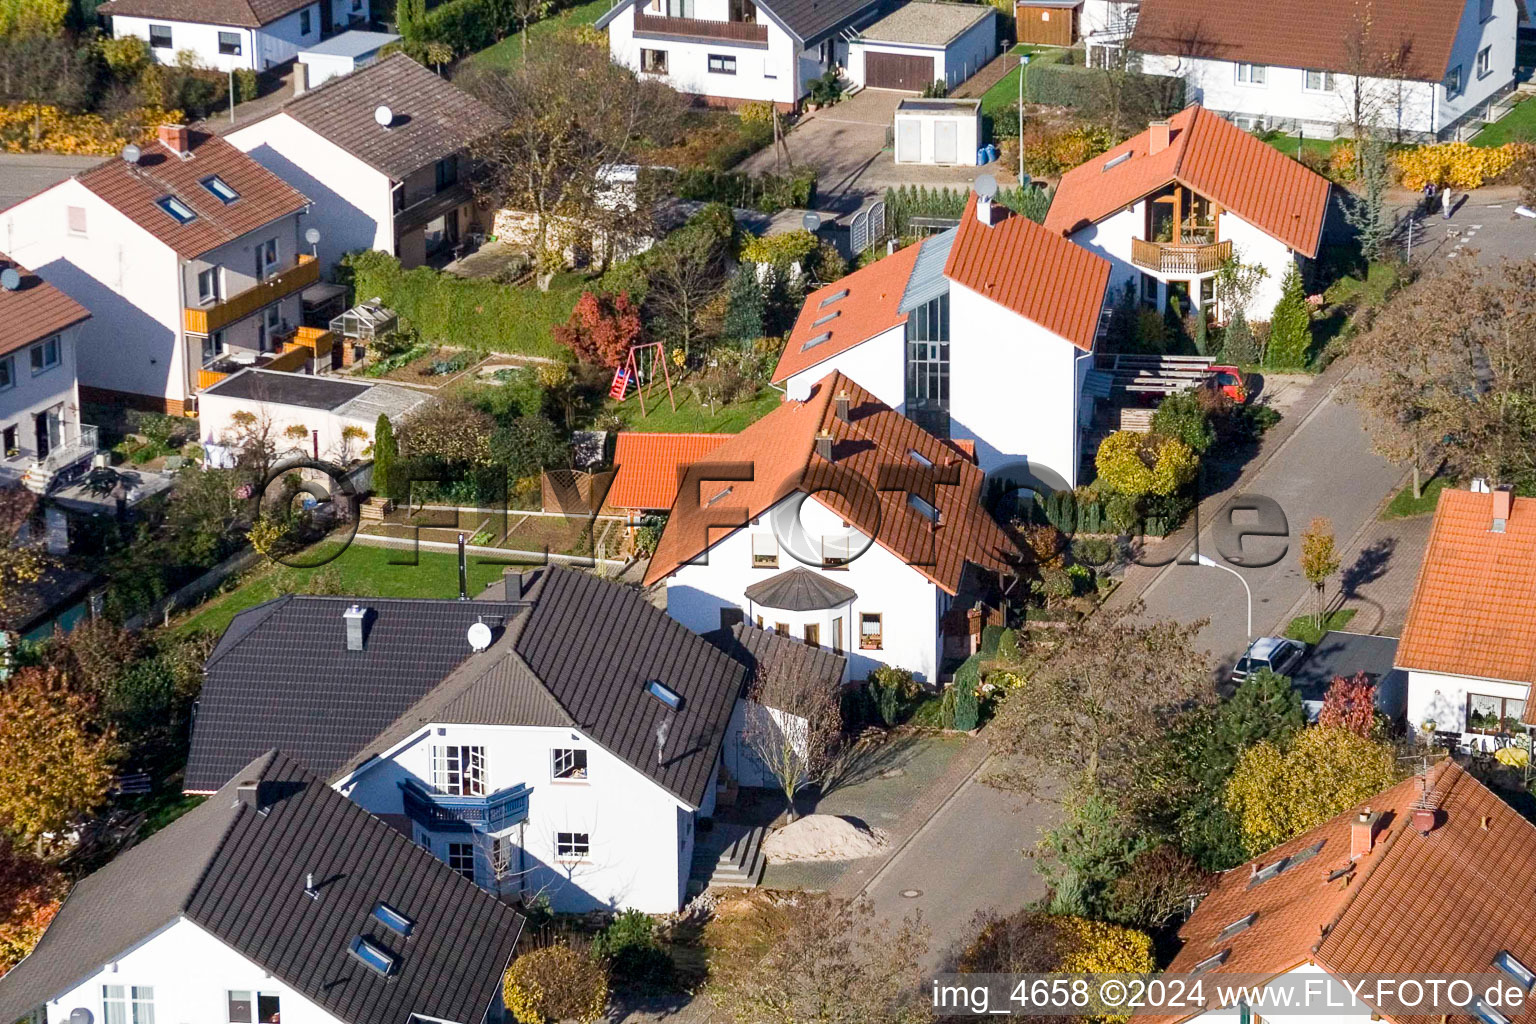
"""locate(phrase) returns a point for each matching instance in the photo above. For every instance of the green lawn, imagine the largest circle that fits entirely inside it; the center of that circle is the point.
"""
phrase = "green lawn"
(363, 570)
(1005, 93)
(1304, 627)
(510, 49)
(1519, 125)
(691, 417)
(1379, 281)
(1404, 504)
(1292, 146)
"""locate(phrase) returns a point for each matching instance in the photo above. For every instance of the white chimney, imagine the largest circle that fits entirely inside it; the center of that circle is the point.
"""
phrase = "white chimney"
(300, 78)
(984, 210)
(354, 617)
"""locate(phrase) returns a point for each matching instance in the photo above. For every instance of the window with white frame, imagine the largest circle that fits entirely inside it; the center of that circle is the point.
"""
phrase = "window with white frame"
(229, 43)
(765, 551)
(461, 858)
(1453, 81)
(1485, 62)
(501, 856)
(871, 631)
(76, 220)
(208, 285)
(722, 64)
(653, 62)
(573, 845)
(248, 1007)
(1319, 81)
(570, 764)
(127, 1004)
(45, 354)
(1250, 74)
(160, 37)
(458, 770)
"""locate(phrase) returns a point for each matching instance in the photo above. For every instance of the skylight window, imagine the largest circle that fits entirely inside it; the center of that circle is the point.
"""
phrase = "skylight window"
(1210, 962)
(1507, 963)
(823, 336)
(918, 457)
(392, 919)
(372, 955)
(1267, 872)
(1117, 161)
(828, 318)
(664, 693)
(923, 507)
(1487, 1014)
(832, 298)
(179, 210)
(221, 189)
(1242, 924)
(717, 497)
(1302, 856)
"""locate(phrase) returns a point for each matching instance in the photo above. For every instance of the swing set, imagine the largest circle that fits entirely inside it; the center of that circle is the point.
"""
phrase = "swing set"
(639, 372)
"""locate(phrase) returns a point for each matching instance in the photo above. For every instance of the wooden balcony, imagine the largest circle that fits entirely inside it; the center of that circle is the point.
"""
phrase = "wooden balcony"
(1166, 258)
(207, 319)
(743, 32)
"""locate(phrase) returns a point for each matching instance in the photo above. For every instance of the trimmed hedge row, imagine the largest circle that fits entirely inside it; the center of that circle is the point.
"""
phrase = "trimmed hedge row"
(474, 314)
(766, 193)
(908, 201)
(1142, 96)
(465, 25)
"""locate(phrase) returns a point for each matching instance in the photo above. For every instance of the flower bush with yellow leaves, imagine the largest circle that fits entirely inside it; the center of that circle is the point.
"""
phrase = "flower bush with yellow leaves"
(1457, 164)
(35, 128)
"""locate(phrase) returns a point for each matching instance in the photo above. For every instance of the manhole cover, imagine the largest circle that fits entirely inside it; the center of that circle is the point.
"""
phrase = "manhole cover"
(911, 894)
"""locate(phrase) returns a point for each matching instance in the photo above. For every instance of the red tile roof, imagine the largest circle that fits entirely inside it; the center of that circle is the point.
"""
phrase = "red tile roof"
(1436, 904)
(870, 307)
(1034, 272)
(1474, 605)
(135, 189)
(1325, 35)
(1215, 158)
(244, 13)
(34, 310)
(646, 466)
(780, 451)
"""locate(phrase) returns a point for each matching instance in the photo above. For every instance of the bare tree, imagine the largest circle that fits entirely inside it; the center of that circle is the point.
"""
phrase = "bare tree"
(686, 273)
(793, 726)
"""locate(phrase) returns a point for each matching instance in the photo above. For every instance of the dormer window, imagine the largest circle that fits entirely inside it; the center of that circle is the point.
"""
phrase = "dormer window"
(221, 189)
(180, 211)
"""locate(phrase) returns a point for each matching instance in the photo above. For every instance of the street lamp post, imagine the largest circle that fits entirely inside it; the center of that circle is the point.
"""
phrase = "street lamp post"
(1023, 70)
(1211, 563)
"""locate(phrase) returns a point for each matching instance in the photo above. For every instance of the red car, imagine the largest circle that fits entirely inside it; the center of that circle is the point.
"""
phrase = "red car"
(1229, 379)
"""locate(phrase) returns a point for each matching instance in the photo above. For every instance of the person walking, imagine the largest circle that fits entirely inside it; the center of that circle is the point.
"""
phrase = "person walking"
(1429, 196)
(1445, 202)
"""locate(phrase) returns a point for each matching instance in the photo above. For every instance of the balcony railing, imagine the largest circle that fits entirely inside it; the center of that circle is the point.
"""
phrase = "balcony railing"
(207, 319)
(440, 812)
(68, 453)
(699, 28)
(1166, 258)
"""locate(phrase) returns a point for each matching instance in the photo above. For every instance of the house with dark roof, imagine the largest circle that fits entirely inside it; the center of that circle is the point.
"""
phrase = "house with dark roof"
(1469, 643)
(1168, 207)
(839, 522)
(277, 899)
(983, 334)
(736, 51)
(1431, 878)
(560, 737)
(233, 34)
(1405, 69)
(188, 255)
(399, 184)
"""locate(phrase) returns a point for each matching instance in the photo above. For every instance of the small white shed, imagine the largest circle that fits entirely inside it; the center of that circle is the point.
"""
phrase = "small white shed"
(343, 54)
(938, 131)
(920, 43)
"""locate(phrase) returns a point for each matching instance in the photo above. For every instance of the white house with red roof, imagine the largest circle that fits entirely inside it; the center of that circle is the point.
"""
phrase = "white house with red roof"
(233, 34)
(839, 522)
(1168, 207)
(984, 334)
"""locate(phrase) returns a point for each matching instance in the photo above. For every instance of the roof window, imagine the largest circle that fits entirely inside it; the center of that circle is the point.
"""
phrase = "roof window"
(664, 693)
(373, 955)
(392, 919)
(1302, 856)
(843, 294)
(828, 318)
(1242, 924)
(1210, 962)
(1487, 1014)
(918, 457)
(923, 507)
(1111, 164)
(221, 189)
(180, 211)
(823, 336)
(1507, 963)
(717, 497)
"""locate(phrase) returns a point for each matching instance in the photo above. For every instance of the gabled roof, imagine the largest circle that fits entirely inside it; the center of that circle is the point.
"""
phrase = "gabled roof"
(1218, 160)
(1032, 271)
(1445, 903)
(763, 649)
(1418, 36)
(874, 442)
(799, 590)
(1474, 605)
(240, 875)
(34, 310)
(282, 676)
(848, 312)
(432, 117)
(135, 190)
(646, 465)
(236, 13)
(807, 20)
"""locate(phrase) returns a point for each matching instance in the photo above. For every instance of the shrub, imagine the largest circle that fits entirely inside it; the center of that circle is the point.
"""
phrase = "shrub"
(766, 193)
(1060, 510)
(756, 113)
(1123, 513)
(1182, 415)
(34, 128)
(634, 957)
(780, 250)
(1239, 346)
(1035, 942)
(1457, 164)
(908, 201)
(891, 690)
(967, 683)
(463, 25)
(1122, 463)
(601, 329)
(1290, 326)
(1141, 97)
(1350, 703)
(1050, 149)
(555, 983)
(1092, 551)
(1155, 888)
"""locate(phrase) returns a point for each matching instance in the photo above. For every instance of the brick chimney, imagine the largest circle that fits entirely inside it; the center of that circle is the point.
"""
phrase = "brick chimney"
(1157, 137)
(175, 137)
(824, 445)
(842, 406)
(1362, 833)
(1503, 505)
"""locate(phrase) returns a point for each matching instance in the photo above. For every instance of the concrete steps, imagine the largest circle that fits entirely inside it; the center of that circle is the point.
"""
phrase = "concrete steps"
(741, 864)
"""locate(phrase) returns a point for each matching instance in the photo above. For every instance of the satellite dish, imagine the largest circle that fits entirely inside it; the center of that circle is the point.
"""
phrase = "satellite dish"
(986, 186)
(80, 1015)
(131, 155)
(811, 222)
(479, 636)
(383, 116)
(10, 280)
(312, 236)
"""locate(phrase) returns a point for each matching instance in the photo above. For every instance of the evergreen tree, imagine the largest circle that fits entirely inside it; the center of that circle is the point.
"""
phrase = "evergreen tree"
(746, 309)
(1241, 348)
(385, 451)
(1290, 326)
(1368, 213)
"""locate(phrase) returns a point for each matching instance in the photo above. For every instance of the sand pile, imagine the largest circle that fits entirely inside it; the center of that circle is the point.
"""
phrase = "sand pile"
(823, 837)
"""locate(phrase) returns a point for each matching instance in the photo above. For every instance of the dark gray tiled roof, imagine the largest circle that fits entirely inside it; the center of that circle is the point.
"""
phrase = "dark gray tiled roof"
(282, 677)
(240, 875)
(813, 19)
(244, 13)
(762, 649)
(433, 118)
(799, 590)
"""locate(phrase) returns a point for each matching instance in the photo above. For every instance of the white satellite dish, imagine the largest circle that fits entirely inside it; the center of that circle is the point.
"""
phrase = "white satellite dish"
(10, 280)
(986, 186)
(312, 236)
(131, 154)
(811, 221)
(80, 1015)
(383, 116)
(479, 636)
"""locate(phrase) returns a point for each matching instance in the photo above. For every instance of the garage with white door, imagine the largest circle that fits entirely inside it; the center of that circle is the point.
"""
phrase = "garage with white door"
(938, 131)
(921, 43)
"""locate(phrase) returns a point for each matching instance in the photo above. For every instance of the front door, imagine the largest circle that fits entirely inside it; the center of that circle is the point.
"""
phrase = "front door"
(946, 141)
(49, 427)
(909, 141)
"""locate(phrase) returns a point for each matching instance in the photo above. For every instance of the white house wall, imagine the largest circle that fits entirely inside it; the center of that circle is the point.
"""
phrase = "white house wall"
(32, 394)
(192, 974)
(967, 137)
(215, 414)
(879, 365)
(353, 205)
(763, 74)
(954, 63)
(260, 48)
(1433, 696)
(909, 604)
(641, 845)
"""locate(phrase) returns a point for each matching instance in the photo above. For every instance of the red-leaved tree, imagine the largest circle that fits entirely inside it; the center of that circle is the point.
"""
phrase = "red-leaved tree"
(601, 328)
(1350, 704)
(30, 895)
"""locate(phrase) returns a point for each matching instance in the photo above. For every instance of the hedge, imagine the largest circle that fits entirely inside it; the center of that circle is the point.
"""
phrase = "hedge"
(465, 25)
(1142, 96)
(766, 193)
(908, 201)
(967, 679)
(474, 314)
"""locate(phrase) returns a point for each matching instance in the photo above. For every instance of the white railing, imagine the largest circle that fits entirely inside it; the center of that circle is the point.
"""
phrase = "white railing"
(70, 452)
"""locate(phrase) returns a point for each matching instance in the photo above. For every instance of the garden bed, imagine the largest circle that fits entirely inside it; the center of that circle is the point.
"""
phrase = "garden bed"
(434, 368)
